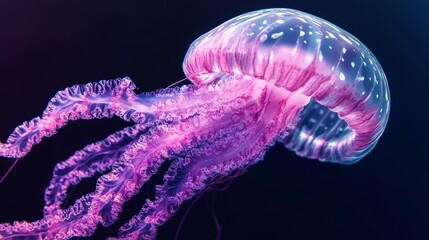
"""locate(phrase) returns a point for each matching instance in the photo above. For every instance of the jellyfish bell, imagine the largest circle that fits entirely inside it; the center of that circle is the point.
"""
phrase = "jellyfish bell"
(306, 55)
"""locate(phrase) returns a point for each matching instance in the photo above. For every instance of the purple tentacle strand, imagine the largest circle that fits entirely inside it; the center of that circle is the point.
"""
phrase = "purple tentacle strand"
(265, 76)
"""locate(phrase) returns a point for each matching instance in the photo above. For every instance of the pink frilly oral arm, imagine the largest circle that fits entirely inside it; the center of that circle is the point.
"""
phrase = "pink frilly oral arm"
(230, 142)
(94, 158)
(93, 100)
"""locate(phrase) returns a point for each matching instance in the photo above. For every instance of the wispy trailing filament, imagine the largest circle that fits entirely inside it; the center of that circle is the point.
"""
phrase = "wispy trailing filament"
(275, 74)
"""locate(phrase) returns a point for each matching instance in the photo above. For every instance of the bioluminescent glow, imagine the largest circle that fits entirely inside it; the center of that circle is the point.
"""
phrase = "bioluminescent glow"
(265, 76)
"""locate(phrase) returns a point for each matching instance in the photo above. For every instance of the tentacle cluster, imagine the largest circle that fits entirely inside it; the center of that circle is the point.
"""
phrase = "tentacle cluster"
(208, 131)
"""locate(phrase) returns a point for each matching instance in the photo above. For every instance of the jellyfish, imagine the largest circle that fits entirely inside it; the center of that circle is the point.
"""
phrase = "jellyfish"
(273, 75)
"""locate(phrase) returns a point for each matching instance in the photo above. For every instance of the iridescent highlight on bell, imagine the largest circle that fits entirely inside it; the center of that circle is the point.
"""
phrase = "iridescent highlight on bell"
(265, 76)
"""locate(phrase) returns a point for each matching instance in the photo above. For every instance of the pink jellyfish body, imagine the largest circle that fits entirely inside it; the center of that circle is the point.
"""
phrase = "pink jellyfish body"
(265, 76)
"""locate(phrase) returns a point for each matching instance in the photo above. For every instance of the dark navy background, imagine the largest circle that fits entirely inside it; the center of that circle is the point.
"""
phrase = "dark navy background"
(46, 46)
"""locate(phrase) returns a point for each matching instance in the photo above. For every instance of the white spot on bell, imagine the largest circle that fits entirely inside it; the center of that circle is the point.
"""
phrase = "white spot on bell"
(276, 35)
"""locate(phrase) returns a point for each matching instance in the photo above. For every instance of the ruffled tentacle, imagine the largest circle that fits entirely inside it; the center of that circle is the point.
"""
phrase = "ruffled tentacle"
(93, 100)
(94, 158)
(232, 141)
